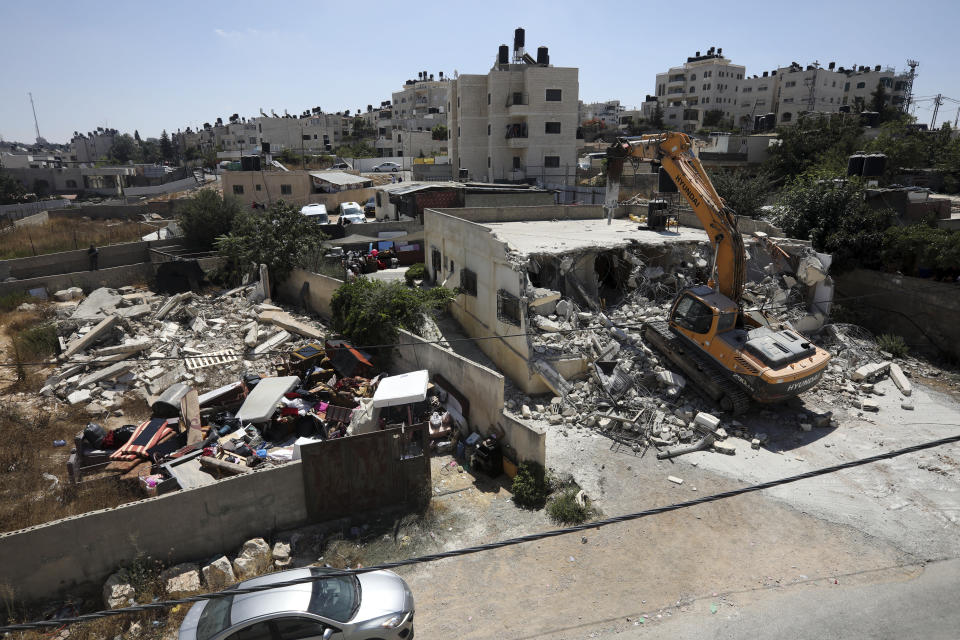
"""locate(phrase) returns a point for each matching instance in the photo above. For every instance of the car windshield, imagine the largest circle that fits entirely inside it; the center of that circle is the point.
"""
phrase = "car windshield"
(214, 618)
(337, 597)
(350, 210)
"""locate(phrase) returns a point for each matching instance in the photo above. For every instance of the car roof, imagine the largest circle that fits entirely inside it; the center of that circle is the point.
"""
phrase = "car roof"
(294, 598)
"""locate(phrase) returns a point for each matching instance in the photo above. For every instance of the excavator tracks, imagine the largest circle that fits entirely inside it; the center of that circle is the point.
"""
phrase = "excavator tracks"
(708, 377)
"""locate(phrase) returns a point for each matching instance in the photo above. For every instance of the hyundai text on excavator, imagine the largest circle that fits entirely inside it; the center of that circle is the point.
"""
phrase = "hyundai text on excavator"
(731, 354)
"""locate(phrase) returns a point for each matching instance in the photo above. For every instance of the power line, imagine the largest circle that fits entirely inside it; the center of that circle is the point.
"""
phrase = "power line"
(456, 553)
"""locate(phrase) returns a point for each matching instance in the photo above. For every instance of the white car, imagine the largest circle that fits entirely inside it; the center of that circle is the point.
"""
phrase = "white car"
(316, 212)
(351, 213)
(385, 167)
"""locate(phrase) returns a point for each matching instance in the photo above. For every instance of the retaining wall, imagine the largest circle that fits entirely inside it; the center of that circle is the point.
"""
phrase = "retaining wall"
(924, 312)
(68, 262)
(185, 526)
(86, 280)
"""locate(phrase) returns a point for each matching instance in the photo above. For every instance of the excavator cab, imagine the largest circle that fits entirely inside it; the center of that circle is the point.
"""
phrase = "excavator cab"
(702, 312)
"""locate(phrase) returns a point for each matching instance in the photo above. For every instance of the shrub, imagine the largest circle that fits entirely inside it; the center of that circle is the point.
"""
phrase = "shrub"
(564, 508)
(11, 301)
(416, 271)
(893, 344)
(206, 216)
(530, 486)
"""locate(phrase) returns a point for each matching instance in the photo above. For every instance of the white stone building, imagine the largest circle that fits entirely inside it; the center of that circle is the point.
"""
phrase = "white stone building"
(703, 84)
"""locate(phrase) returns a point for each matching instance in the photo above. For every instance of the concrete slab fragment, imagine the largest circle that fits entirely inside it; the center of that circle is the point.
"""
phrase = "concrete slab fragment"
(287, 322)
(900, 379)
(272, 342)
(99, 304)
(868, 371)
(134, 346)
(111, 372)
(90, 337)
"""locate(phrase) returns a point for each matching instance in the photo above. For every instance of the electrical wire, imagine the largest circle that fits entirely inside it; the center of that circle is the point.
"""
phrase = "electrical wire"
(456, 553)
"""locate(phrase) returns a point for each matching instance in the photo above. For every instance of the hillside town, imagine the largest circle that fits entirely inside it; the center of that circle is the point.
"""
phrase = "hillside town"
(279, 350)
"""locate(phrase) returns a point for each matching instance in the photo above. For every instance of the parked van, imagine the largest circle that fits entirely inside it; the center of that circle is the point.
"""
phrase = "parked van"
(316, 212)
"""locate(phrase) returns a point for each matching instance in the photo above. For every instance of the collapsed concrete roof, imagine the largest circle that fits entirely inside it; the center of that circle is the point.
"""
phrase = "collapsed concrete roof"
(562, 236)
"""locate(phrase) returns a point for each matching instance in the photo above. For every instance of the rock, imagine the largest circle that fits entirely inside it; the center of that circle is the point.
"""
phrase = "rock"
(675, 479)
(281, 555)
(64, 295)
(707, 420)
(181, 579)
(755, 443)
(219, 574)
(117, 591)
(95, 409)
(906, 405)
(254, 559)
(545, 324)
(564, 308)
(806, 426)
(555, 418)
(525, 412)
(822, 420)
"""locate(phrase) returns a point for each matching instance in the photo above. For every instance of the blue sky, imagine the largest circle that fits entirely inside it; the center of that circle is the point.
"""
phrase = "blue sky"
(166, 65)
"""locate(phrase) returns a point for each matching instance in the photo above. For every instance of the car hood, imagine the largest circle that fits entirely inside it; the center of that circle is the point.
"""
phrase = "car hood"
(188, 628)
(382, 593)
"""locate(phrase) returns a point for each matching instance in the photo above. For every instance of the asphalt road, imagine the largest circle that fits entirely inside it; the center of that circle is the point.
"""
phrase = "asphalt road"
(922, 607)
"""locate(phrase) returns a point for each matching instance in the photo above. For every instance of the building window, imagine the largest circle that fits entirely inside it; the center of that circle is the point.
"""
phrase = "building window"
(508, 307)
(238, 189)
(551, 127)
(286, 189)
(252, 140)
(488, 162)
(516, 163)
(436, 261)
(551, 161)
(399, 137)
(488, 98)
(861, 85)
(305, 136)
(257, 187)
(468, 282)
(786, 117)
(693, 76)
(554, 95)
(458, 131)
(488, 129)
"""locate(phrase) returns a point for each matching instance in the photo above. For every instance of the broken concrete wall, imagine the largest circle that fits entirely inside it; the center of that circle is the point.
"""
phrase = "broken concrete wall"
(517, 214)
(528, 440)
(923, 312)
(746, 226)
(42, 561)
(310, 291)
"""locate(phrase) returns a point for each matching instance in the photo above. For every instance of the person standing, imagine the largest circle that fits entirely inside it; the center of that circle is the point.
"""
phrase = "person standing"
(93, 254)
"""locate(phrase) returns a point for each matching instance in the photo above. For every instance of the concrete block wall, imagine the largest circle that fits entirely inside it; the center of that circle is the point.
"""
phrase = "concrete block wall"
(86, 280)
(483, 387)
(480, 215)
(40, 562)
(67, 262)
(317, 294)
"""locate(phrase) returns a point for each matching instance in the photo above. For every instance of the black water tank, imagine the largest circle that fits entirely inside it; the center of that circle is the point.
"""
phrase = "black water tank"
(770, 121)
(844, 108)
(503, 57)
(873, 165)
(464, 174)
(758, 123)
(869, 118)
(266, 147)
(543, 56)
(855, 165)
(250, 163)
(665, 183)
(518, 38)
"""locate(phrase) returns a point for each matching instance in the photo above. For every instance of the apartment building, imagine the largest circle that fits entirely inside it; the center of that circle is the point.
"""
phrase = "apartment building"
(93, 145)
(422, 103)
(517, 123)
(703, 84)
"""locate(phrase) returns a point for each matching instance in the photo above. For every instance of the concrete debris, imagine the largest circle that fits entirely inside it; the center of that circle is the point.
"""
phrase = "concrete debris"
(281, 556)
(254, 559)
(117, 591)
(99, 304)
(675, 479)
(90, 337)
(870, 371)
(272, 342)
(181, 579)
(900, 379)
(287, 322)
(725, 447)
(869, 405)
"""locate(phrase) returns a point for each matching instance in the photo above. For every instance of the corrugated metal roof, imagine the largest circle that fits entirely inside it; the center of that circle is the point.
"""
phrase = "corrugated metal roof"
(339, 177)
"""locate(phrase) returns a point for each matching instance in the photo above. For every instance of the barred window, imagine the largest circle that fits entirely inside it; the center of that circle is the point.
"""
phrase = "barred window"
(468, 282)
(508, 307)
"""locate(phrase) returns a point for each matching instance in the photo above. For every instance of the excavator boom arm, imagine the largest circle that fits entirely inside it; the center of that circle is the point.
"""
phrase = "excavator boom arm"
(672, 150)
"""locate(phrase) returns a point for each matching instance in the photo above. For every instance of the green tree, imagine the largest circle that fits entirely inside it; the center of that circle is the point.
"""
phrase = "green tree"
(11, 191)
(657, 120)
(713, 118)
(831, 211)
(813, 142)
(206, 216)
(136, 136)
(371, 312)
(878, 98)
(439, 132)
(124, 149)
(744, 192)
(150, 152)
(279, 237)
(166, 148)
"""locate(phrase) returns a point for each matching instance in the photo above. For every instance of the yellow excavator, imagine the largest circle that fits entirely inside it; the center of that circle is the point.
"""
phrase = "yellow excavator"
(732, 355)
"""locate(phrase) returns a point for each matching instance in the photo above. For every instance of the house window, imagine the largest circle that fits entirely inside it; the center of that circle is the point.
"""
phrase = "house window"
(488, 162)
(238, 189)
(399, 137)
(252, 140)
(551, 161)
(488, 98)
(468, 282)
(257, 187)
(861, 85)
(286, 189)
(516, 163)
(458, 131)
(551, 127)
(436, 261)
(554, 95)
(488, 129)
(305, 136)
(508, 307)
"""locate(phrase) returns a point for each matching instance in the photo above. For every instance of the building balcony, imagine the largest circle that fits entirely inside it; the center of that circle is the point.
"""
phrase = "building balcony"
(517, 99)
(517, 142)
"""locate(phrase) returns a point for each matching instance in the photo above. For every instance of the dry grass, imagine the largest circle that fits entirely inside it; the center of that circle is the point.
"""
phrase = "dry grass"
(63, 234)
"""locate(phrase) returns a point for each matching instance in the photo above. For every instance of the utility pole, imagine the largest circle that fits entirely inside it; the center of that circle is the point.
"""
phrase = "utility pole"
(936, 107)
(909, 88)
(956, 118)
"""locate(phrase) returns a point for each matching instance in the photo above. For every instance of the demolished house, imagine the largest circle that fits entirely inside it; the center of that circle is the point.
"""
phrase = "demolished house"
(232, 384)
(559, 296)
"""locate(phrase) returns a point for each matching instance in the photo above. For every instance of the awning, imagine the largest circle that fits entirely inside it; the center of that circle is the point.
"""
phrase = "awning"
(402, 389)
(407, 238)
